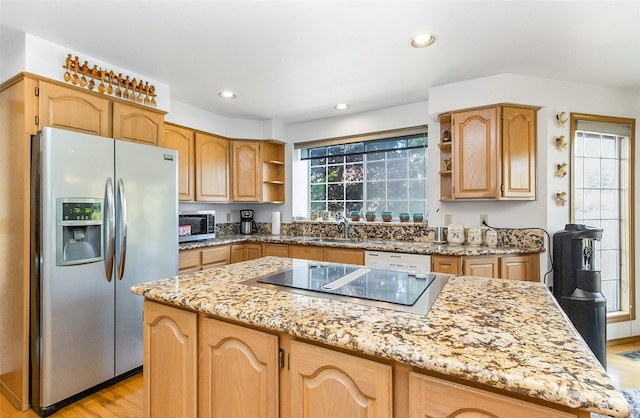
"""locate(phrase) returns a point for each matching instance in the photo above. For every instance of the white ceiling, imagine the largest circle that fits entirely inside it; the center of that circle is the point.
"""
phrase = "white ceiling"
(294, 60)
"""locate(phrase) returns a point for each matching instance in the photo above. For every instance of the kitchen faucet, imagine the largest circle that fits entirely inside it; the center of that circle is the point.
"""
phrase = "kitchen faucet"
(345, 221)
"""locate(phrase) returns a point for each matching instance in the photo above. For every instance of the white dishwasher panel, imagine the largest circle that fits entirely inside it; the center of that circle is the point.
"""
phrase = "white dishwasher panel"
(398, 261)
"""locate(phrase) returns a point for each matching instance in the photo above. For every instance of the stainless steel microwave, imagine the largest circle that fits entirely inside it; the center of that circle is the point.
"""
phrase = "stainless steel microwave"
(196, 225)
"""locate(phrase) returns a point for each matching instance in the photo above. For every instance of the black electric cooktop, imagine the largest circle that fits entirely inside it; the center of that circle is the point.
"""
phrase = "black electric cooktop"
(391, 286)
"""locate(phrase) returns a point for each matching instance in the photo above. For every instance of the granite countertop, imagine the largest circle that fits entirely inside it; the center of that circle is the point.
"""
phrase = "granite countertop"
(413, 247)
(506, 334)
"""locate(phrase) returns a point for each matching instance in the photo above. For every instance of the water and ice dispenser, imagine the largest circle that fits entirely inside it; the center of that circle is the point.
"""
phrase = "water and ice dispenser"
(577, 287)
(79, 231)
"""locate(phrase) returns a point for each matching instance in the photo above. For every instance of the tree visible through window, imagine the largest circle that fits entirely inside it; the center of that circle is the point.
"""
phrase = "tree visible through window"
(381, 175)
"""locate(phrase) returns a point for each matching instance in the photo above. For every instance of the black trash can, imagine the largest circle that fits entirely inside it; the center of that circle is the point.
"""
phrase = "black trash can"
(577, 286)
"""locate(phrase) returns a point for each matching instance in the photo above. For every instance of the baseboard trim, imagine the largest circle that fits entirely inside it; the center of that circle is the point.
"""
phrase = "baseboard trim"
(11, 397)
(625, 340)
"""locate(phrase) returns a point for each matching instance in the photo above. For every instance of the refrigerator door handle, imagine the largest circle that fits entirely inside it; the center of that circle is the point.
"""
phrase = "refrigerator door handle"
(122, 200)
(109, 232)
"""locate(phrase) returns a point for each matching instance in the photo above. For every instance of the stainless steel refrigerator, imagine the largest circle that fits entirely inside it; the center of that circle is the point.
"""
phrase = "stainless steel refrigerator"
(104, 219)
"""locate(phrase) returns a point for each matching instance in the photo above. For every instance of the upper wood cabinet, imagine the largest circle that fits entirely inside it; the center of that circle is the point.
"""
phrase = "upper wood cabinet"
(71, 109)
(182, 140)
(327, 384)
(273, 172)
(491, 153)
(136, 124)
(247, 171)
(518, 152)
(258, 171)
(212, 168)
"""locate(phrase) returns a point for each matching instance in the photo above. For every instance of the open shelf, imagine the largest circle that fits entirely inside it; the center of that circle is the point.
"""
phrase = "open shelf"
(273, 172)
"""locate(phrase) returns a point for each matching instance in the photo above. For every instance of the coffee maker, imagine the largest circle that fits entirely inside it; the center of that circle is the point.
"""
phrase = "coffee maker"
(577, 287)
(247, 224)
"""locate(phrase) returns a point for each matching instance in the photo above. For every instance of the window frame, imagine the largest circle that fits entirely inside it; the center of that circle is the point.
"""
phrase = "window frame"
(627, 238)
(372, 143)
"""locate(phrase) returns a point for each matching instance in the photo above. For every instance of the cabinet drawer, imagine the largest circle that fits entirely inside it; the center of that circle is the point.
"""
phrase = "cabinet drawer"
(346, 256)
(188, 259)
(306, 252)
(216, 255)
(278, 250)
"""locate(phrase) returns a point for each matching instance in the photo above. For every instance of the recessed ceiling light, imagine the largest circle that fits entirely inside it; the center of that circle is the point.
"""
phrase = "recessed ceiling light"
(423, 40)
(341, 106)
(227, 95)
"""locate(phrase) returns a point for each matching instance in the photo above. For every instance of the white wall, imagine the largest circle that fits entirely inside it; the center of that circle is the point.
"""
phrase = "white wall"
(552, 97)
(38, 56)
(32, 54)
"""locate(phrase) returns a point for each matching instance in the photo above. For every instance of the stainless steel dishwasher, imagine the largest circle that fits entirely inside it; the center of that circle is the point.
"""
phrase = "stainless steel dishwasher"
(420, 263)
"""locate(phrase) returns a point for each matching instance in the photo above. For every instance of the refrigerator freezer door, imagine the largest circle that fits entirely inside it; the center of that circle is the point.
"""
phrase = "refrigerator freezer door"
(77, 301)
(149, 177)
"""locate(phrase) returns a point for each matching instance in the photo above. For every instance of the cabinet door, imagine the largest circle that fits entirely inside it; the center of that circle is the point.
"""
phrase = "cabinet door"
(480, 266)
(446, 264)
(170, 362)
(253, 251)
(306, 252)
(329, 384)
(238, 371)
(238, 253)
(247, 171)
(212, 168)
(518, 153)
(182, 140)
(475, 154)
(342, 255)
(434, 398)
(520, 267)
(278, 250)
(71, 109)
(133, 123)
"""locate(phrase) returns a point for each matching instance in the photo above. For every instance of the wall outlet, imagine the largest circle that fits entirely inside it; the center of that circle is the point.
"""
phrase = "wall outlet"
(447, 219)
(228, 216)
(484, 220)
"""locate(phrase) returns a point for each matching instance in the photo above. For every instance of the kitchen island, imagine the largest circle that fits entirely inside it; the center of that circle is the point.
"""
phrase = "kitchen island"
(490, 346)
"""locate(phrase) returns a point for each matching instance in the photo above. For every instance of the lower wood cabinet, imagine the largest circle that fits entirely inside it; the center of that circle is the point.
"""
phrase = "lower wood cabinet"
(195, 365)
(330, 254)
(238, 371)
(197, 259)
(306, 252)
(435, 398)
(170, 362)
(328, 384)
(515, 267)
(243, 252)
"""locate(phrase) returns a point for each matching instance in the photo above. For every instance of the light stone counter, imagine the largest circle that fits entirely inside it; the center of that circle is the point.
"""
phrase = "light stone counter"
(413, 247)
(506, 334)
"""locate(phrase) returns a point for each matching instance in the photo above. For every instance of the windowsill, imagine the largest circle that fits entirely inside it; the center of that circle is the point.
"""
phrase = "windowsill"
(619, 316)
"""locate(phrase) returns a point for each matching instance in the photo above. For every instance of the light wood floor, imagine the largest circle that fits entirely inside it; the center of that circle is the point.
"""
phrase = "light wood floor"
(124, 399)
